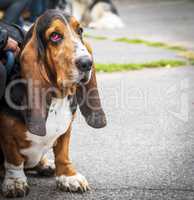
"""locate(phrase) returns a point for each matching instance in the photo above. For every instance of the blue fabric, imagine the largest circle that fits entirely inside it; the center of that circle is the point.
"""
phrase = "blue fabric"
(13, 9)
(37, 7)
(3, 79)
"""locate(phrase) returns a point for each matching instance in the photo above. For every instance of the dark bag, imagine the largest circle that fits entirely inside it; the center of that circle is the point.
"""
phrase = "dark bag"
(14, 31)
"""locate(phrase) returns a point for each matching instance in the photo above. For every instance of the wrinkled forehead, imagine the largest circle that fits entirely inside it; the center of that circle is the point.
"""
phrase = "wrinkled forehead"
(63, 26)
(54, 20)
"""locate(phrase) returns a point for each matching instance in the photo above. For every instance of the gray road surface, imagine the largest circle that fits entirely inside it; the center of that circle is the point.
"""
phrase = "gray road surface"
(169, 21)
(116, 52)
(159, 20)
(147, 150)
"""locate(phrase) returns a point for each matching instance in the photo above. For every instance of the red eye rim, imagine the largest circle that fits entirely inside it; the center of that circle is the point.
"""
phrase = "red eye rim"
(56, 37)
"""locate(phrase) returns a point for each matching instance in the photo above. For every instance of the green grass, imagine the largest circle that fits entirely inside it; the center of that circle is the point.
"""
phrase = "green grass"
(135, 66)
(182, 51)
(189, 55)
(139, 41)
(95, 37)
(150, 43)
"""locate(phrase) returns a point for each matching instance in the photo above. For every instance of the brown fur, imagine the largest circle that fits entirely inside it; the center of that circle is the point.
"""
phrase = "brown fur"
(13, 139)
(49, 71)
(61, 152)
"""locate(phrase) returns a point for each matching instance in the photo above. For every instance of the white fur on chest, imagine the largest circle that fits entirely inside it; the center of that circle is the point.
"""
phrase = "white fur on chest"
(58, 122)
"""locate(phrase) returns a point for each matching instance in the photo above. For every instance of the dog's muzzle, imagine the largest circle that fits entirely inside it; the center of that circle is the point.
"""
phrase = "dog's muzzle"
(84, 65)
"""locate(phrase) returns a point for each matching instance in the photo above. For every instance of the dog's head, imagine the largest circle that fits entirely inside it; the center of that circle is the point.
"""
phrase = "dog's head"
(60, 48)
(56, 55)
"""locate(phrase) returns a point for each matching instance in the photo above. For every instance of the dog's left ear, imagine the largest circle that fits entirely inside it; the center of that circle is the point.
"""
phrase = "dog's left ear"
(89, 102)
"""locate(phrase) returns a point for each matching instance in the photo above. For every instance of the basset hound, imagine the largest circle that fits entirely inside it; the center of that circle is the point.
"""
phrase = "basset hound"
(56, 75)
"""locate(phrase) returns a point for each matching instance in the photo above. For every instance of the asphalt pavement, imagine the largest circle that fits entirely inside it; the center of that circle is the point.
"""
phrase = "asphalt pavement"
(156, 20)
(147, 150)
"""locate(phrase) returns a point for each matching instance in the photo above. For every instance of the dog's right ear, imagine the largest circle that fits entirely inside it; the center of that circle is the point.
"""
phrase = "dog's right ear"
(37, 32)
(34, 73)
(40, 40)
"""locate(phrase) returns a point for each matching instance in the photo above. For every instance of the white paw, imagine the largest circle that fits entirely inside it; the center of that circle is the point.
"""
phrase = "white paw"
(77, 183)
(15, 187)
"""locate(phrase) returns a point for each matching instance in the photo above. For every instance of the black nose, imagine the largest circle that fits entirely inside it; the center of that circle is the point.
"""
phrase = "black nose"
(84, 63)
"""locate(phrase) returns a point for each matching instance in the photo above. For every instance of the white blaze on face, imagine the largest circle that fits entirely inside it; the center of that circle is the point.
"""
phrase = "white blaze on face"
(80, 49)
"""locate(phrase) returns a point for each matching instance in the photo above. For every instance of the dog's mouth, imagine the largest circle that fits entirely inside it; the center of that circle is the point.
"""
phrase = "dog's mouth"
(76, 77)
(84, 77)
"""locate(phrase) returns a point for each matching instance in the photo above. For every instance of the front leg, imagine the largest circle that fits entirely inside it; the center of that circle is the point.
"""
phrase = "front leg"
(15, 182)
(45, 168)
(66, 176)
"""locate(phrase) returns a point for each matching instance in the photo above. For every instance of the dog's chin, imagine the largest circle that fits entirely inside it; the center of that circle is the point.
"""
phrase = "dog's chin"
(84, 77)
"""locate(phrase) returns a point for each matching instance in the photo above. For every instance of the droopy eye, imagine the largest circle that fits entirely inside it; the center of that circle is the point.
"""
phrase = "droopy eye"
(80, 31)
(56, 37)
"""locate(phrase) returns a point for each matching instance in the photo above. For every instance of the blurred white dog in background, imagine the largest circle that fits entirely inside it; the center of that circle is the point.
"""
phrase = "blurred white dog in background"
(97, 14)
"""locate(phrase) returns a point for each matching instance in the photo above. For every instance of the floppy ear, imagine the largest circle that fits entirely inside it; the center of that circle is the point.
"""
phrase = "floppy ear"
(35, 76)
(89, 102)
